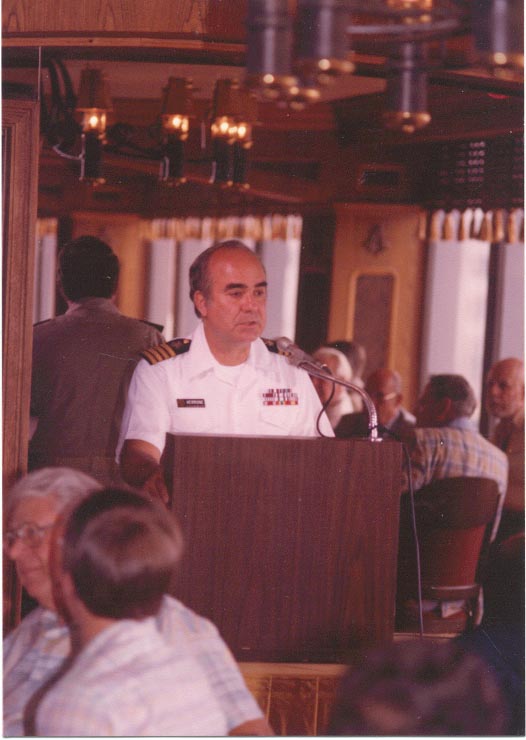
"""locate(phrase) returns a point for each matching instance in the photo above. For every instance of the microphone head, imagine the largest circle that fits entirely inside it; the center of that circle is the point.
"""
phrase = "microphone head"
(284, 344)
(294, 354)
(297, 357)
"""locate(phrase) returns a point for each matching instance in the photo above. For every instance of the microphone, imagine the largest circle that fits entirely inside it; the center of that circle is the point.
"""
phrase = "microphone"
(295, 355)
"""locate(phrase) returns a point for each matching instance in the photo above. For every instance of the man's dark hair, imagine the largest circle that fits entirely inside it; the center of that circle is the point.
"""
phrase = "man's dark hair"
(199, 269)
(457, 389)
(419, 688)
(121, 550)
(88, 267)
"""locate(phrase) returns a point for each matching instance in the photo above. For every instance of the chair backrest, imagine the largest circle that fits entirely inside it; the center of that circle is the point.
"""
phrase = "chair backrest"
(454, 518)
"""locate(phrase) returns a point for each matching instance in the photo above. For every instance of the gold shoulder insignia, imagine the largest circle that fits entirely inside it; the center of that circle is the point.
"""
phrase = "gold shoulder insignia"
(272, 346)
(164, 351)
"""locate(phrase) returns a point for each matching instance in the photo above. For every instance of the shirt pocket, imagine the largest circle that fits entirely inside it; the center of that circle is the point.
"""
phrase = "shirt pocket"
(279, 419)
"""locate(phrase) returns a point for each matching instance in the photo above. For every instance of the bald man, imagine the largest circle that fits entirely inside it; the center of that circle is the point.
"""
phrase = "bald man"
(385, 388)
(505, 401)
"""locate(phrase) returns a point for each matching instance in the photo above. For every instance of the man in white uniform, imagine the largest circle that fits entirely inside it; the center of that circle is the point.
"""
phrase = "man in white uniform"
(224, 379)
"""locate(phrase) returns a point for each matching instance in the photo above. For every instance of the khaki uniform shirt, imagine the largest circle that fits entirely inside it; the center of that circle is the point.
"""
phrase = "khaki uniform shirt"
(82, 365)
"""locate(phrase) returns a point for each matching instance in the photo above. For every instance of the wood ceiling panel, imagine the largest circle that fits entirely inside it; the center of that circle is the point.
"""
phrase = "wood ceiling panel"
(119, 17)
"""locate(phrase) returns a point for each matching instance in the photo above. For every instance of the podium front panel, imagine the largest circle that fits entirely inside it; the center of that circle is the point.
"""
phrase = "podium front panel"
(291, 543)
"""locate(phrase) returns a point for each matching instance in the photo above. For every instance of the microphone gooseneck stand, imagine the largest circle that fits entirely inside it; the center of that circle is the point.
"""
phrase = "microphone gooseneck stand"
(319, 372)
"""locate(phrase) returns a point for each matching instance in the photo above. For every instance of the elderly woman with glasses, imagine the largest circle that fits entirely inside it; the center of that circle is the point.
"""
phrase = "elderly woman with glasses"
(29, 514)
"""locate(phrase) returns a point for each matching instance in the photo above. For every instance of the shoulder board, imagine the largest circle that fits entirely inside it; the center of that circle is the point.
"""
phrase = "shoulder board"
(159, 327)
(164, 351)
(272, 346)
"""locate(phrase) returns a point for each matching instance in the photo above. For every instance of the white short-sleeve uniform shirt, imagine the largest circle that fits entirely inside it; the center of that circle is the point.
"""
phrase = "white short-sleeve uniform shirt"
(193, 394)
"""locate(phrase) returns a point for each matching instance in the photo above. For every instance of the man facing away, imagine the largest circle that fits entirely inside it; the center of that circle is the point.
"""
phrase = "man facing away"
(38, 648)
(224, 379)
(82, 363)
(446, 444)
(505, 401)
(385, 388)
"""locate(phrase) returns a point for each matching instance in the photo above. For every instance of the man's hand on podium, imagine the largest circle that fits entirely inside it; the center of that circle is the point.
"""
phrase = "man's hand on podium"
(155, 487)
(140, 467)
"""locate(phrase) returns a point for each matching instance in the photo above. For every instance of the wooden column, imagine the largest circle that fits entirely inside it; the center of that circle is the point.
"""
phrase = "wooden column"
(20, 119)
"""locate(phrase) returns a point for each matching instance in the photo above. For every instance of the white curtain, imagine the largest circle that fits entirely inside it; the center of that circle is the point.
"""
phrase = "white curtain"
(45, 270)
(281, 258)
(499, 225)
(456, 295)
(160, 302)
(455, 311)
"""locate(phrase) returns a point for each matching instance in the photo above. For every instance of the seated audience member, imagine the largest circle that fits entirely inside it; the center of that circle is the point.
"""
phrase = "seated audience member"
(340, 401)
(446, 444)
(357, 357)
(385, 388)
(419, 688)
(111, 564)
(505, 401)
(40, 645)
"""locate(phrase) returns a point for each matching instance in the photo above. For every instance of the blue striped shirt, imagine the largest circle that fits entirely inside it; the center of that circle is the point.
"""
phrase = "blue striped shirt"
(37, 648)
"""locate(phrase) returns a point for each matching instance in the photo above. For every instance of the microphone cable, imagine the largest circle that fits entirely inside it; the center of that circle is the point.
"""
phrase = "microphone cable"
(414, 527)
(325, 405)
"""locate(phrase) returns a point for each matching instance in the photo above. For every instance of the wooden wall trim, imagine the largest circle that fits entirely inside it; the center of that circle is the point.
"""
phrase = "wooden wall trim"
(20, 119)
(20, 131)
(94, 19)
(169, 42)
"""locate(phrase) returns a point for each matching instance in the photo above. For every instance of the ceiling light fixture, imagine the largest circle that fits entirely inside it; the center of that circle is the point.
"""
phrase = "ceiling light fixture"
(234, 112)
(94, 103)
(498, 27)
(233, 115)
(406, 94)
(322, 48)
(291, 68)
(176, 111)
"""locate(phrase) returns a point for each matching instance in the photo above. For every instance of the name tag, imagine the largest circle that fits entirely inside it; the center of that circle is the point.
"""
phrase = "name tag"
(280, 397)
(190, 403)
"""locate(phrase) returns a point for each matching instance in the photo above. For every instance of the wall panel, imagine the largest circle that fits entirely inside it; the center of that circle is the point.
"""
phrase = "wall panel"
(393, 232)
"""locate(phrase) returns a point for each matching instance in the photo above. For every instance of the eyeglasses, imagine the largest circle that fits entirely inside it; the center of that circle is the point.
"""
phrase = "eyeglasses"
(381, 397)
(32, 535)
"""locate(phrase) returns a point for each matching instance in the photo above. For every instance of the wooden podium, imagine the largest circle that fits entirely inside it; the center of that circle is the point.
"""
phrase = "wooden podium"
(291, 543)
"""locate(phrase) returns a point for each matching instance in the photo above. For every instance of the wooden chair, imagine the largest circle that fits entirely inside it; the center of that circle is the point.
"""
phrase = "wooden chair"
(454, 520)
